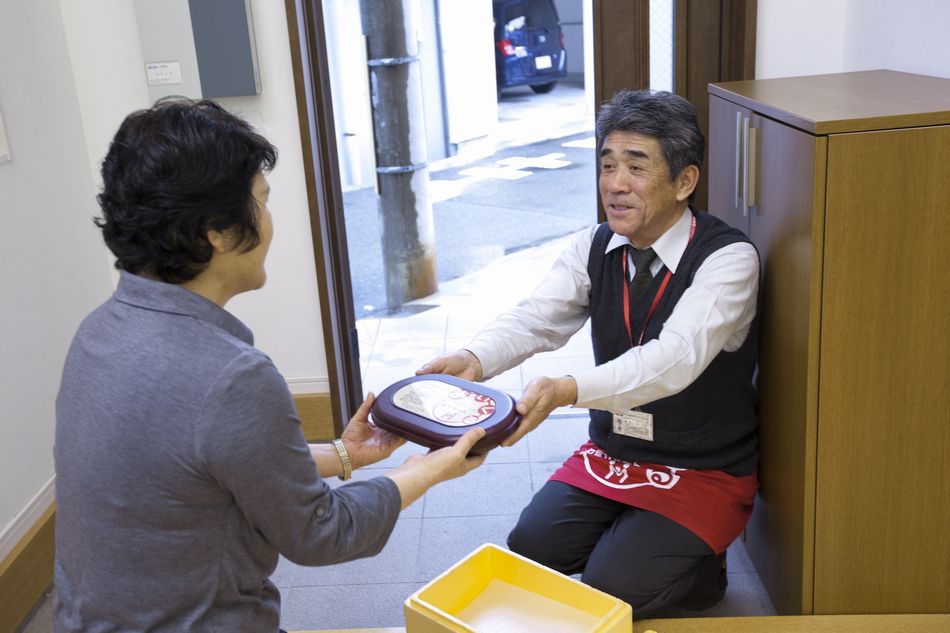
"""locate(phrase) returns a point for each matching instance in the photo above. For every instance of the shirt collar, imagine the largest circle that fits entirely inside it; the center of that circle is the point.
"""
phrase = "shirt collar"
(159, 296)
(669, 247)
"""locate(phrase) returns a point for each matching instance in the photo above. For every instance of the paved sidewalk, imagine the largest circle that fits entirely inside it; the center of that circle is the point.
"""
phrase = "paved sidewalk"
(538, 184)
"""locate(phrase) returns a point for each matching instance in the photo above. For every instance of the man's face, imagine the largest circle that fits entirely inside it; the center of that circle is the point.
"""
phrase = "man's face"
(639, 200)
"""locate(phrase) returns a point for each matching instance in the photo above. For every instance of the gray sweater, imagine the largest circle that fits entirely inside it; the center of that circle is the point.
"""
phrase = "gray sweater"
(182, 472)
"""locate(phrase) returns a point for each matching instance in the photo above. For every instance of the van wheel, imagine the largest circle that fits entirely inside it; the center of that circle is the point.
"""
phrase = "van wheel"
(543, 88)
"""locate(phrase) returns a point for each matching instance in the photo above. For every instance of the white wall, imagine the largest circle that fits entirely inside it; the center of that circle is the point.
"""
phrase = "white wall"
(54, 265)
(468, 73)
(70, 70)
(571, 15)
(108, 70)
(285, 314)
(110, 83)
(910, 35)
(809, 37)
(460, 115)
(346, 59)
(428, 17)
(105, 100)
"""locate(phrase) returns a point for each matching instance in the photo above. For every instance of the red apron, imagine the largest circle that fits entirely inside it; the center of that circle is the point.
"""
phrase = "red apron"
(710, 503)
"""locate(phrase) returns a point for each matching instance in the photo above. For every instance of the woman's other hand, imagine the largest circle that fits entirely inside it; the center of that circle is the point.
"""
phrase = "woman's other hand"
(421, 472)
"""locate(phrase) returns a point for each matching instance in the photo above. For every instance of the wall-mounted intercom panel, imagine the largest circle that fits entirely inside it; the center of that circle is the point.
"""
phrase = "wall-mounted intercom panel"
(198, 48)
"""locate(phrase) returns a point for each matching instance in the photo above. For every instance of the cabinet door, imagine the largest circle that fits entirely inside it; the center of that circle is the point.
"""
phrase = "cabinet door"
(725, 162)
(883, 495)
(784, 225)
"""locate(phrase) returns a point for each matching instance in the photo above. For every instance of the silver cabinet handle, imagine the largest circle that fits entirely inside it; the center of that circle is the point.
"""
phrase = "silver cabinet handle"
(738, 156)
(745, 166)
(750, 174)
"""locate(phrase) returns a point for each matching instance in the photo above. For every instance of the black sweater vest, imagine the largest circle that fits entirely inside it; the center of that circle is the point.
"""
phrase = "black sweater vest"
(712, 423)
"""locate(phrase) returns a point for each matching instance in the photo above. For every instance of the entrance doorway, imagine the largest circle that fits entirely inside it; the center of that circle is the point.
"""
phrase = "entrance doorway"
(619, 52)
(502, 203)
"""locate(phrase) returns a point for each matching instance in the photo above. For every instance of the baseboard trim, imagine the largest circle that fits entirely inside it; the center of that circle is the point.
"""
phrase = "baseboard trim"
(27, 517)
(316, 416)
(27, 572)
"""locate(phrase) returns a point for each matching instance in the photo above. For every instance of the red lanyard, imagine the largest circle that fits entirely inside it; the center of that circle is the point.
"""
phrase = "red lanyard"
(656, 299)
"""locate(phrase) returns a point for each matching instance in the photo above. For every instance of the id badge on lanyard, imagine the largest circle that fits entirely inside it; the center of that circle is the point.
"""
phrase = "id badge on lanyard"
(638, 424)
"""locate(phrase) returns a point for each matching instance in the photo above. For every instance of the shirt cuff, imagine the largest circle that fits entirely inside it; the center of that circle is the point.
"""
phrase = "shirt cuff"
(488, 357)
(590, 388)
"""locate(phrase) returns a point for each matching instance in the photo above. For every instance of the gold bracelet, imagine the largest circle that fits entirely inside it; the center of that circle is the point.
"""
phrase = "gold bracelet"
(344, 459)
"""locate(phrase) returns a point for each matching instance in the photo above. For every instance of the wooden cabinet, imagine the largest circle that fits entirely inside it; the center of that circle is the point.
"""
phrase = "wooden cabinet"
(848, 181)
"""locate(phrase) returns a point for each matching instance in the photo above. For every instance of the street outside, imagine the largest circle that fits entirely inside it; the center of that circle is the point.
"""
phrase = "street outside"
(520, 197)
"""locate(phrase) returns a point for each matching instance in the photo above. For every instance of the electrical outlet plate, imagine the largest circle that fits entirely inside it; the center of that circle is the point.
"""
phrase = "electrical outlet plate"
(4, 146)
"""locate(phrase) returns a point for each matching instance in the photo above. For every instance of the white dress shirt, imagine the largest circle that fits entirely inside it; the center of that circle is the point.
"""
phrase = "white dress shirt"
(713, 314)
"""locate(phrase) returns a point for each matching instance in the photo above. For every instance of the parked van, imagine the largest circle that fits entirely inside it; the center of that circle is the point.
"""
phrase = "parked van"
(529, 44)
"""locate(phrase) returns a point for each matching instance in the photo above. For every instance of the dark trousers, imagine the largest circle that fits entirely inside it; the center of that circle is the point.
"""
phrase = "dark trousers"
(643, 558)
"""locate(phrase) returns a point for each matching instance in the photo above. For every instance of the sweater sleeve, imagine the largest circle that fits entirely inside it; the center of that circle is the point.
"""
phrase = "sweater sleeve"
(251, 443)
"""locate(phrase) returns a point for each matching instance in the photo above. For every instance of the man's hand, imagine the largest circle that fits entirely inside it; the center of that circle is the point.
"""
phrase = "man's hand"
(461, 364)
(541, 396)
(365, 442)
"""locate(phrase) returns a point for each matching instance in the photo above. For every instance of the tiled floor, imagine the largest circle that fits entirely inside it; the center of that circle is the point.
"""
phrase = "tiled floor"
(448, 523)
(454, 518)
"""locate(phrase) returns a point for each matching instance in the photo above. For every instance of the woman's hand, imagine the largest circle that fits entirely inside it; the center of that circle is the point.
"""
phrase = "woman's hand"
(420, 472)
(365, 442)
(461, 364)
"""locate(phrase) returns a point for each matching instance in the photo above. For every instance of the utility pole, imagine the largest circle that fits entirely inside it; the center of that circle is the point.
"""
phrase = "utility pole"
(402, 161)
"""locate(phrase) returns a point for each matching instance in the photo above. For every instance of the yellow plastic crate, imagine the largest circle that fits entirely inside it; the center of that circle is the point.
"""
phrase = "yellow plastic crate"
(493, 590)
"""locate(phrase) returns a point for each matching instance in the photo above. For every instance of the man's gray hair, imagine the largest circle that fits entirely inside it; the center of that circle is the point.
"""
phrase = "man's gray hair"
(667, 117)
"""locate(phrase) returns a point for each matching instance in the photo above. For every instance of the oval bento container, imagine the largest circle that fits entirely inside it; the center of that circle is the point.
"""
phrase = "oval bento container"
(435, 410)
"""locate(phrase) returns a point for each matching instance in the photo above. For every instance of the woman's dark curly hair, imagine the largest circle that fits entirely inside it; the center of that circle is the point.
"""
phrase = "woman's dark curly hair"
(173, 172)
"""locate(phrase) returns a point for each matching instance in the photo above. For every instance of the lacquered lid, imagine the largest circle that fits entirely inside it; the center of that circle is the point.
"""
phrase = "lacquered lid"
(436, 409)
